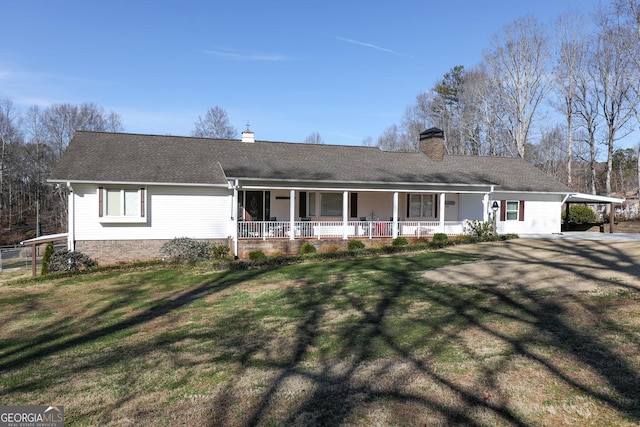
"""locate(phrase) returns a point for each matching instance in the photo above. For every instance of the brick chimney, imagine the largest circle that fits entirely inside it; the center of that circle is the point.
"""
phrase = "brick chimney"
(432, 143)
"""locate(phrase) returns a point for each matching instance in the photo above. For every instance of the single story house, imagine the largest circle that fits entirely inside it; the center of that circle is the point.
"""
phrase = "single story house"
(130, 193)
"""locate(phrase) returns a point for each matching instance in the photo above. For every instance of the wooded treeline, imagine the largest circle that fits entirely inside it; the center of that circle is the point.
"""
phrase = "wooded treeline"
(32, 142)
(561, 97)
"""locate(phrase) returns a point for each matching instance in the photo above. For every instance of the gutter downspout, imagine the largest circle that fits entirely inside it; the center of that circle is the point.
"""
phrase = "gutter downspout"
(71, 219)
(234, 217)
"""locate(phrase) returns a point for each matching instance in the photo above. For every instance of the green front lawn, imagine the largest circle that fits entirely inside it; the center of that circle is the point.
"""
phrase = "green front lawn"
(367, 341)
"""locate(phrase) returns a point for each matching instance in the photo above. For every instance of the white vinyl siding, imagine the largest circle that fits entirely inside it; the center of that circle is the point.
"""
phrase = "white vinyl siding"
(197, 212)
(542, 215)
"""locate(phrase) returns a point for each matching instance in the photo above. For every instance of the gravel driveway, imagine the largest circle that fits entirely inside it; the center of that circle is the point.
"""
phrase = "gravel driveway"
(568, 263)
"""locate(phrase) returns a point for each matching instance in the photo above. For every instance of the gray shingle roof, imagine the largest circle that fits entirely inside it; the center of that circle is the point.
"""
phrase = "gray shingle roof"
(108, 157)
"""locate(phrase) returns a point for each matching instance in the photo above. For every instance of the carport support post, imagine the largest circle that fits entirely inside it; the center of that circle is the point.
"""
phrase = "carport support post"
(612, 217)
(33, 260)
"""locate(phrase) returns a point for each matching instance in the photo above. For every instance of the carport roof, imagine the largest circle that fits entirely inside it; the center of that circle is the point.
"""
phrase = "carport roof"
(592, 198)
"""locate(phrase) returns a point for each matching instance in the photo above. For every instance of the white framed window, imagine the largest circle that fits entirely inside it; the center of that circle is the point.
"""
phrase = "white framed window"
(511, 210)
(331, 204)
(421, 206)
(117, 204)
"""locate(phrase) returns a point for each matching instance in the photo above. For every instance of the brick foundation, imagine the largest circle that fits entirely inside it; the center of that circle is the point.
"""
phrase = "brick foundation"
(118, 251)
(292, 247)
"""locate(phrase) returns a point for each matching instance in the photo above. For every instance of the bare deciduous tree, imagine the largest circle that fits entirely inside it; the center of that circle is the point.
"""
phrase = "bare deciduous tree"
(392, 139)
(214, 124)
(61, 122)
(614, 88)
(570, 60)
(517, 63)
(415, 120)
(314, 138)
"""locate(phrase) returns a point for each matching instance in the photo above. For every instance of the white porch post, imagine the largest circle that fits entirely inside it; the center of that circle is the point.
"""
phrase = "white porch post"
(441, 214)
(345, 214)
(292, 214)
(234, 217)
(485, 208)
(394, 232)
(71, 220)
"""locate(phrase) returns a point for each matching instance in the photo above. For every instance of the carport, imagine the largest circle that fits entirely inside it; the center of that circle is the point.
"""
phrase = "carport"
(582, 198)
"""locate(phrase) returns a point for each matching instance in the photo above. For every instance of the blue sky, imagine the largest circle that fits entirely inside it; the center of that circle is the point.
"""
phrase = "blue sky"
(345, 69)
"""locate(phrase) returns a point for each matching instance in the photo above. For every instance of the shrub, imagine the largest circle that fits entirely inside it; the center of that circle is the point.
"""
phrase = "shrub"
(69, 261)
(307, 248)
(219, 252)
(481, 229)
(580, 214)
(185, 249)
(399, 241)
(257, 256)
(46, 257)
(355, 245)
(440, 240)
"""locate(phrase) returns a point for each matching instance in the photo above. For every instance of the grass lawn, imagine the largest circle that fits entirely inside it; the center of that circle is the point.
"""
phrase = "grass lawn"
(368, 341)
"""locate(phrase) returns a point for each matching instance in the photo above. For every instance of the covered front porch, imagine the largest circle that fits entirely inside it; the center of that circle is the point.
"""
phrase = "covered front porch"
(271, 213)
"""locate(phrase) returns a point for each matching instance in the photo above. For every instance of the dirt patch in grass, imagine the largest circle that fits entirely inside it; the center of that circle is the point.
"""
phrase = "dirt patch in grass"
(555, 265)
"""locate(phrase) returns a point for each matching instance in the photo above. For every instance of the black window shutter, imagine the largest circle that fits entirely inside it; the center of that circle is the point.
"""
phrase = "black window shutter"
(302, 204)
(142, 208)
(267, 205)
(408, 205)
(354, 205)
(100, 202)
(503, 210)
(521, 213)
(435, 206)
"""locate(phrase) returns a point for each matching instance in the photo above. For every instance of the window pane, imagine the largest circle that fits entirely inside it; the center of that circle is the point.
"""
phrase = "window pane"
(331, 204)
(414, 205)
(131, 203)
(312, 204)
(427, 205)
(113, 202)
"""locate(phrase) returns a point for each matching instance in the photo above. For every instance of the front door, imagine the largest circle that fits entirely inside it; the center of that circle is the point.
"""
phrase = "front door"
(254, 205)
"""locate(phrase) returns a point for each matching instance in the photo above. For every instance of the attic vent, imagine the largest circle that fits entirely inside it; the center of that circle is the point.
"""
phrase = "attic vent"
(247, 135)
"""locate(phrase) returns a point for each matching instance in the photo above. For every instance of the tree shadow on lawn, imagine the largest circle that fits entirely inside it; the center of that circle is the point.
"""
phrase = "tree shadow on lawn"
(61, 335)
(365, 341)
(387, 362)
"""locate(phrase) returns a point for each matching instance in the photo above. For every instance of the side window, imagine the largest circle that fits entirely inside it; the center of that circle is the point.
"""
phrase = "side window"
(512, 210)
(121, 204)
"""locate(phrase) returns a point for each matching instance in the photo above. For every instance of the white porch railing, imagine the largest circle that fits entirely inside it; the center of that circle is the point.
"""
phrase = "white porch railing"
(335, 229)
